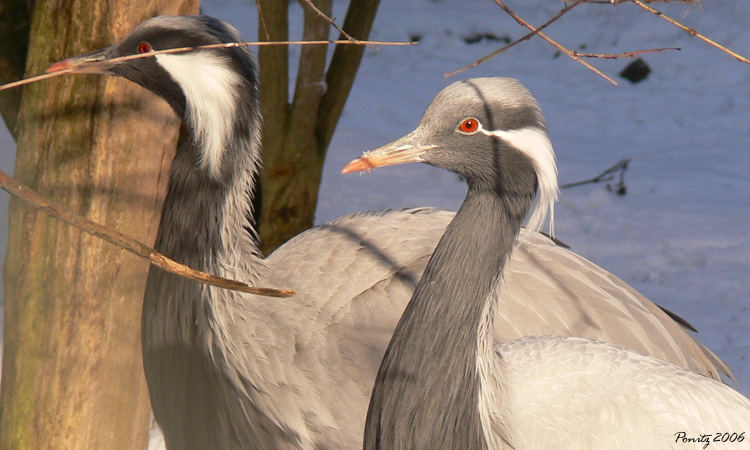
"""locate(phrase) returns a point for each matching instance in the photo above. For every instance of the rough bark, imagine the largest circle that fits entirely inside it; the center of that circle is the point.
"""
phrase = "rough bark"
(72, 366)
(14, 35)
(296, 136)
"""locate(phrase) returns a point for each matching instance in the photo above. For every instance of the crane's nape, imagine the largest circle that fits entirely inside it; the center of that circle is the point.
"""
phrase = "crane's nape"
(445, 382)
(232, 370)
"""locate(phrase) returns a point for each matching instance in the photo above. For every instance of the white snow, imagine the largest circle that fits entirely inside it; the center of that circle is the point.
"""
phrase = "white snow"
(679, 235)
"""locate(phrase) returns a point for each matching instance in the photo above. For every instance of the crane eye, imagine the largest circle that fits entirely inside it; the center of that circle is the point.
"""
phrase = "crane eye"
(470, 125)
(144, 47)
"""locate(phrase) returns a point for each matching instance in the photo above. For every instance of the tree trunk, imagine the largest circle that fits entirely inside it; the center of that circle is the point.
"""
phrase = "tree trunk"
(72, 365)
(296, 136)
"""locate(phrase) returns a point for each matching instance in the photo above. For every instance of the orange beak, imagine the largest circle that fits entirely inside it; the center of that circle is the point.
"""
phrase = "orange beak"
(408, 149)
(94, 62)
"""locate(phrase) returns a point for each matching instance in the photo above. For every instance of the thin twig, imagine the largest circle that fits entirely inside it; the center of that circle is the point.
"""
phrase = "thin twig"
(632, 54)
(263, 21)
(23, 81)
(204, 47)
(559, 46)
(330, 20)
(607, 175)
(517, 41)
(691, 31)
(618, 2)
(16, 188)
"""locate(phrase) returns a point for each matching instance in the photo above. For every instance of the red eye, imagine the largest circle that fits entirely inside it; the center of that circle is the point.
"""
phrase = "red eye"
(469, 125)
(144, 47)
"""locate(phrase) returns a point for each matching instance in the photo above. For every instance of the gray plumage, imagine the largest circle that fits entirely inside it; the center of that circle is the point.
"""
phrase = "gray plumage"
(231, 370)
(444, 383)
(426, 394)
(442, 412)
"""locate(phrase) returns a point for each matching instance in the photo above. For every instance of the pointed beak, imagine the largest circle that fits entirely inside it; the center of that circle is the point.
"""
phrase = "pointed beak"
(94, 62)
(408, 149)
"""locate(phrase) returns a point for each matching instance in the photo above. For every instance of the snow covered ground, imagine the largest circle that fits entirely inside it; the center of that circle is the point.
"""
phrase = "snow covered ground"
(680, 234)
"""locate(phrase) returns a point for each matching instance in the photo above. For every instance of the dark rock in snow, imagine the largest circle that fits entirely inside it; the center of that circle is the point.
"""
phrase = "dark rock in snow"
(636, 71)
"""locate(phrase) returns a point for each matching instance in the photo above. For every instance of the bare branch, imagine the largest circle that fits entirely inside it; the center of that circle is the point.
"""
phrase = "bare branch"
(559, 46)
(17, 189)
(203, 47)
(517, 41)
(263, 22)
(577, 54)
(617, 2)
(343, 69)
(691, 31)
(631, 54)
(29, 80)
(607, 175)
(331, 21)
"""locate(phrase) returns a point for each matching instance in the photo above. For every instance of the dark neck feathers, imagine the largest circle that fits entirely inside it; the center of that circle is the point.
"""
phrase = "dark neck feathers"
(426, 393)
(204, 215)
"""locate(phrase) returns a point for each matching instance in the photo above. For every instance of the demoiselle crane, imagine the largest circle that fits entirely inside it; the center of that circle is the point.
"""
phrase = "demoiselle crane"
(445, 382)
(227, 369)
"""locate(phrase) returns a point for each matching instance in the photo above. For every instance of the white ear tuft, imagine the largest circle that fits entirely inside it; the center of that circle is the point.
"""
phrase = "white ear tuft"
(209, 85)
(535, 144)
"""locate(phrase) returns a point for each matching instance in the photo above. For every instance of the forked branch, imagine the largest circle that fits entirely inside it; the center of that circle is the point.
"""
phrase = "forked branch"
(691, 31)
(608, 175)
(576, 55)
(559, 46)
(519, 40)
(331, 21)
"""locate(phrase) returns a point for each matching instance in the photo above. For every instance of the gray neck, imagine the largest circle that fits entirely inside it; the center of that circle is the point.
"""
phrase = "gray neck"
(198, 396)
(204, 224)
(205, 217)
(427, 391)
(193, 391)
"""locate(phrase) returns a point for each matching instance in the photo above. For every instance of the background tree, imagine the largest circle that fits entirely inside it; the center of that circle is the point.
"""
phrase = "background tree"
(14, 34)
(296, 134)
(72, 371)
